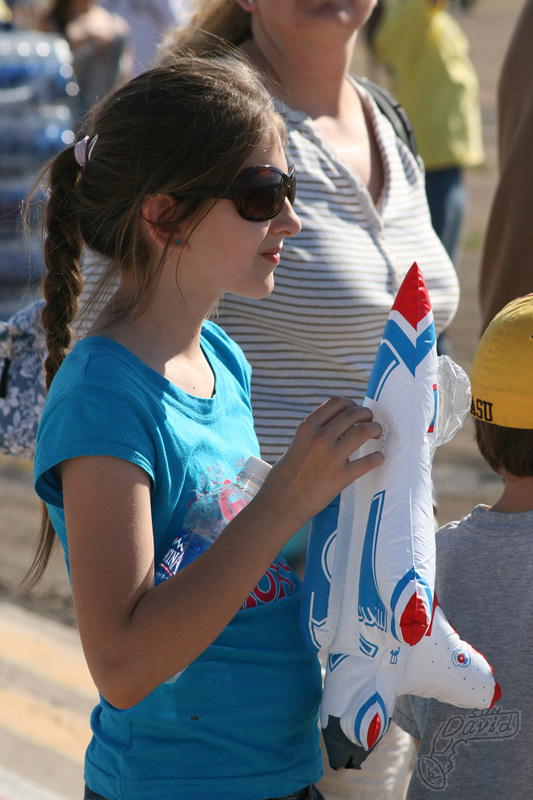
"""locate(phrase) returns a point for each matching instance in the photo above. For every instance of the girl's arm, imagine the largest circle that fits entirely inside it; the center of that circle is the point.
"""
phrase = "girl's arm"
(136, 636)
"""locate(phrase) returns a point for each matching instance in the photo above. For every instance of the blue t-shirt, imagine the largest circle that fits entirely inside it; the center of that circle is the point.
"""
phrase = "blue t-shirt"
(240, 721)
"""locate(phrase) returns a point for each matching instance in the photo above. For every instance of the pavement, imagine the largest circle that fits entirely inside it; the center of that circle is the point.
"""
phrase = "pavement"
(46, 697)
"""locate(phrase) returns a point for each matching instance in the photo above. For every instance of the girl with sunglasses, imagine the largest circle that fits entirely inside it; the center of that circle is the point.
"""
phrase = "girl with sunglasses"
(182, 185)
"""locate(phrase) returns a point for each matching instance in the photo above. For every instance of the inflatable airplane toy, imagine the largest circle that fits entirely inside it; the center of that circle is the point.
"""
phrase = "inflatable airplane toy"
(370, 574)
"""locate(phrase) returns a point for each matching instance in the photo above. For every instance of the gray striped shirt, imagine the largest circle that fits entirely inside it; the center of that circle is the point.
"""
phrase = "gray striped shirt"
(318, 332)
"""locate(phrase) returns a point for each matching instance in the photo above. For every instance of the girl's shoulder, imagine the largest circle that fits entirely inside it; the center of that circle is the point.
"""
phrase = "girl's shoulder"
(98, 361)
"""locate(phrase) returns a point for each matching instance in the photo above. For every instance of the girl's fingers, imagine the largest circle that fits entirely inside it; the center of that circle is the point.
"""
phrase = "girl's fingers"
(332, 410)
(317, 466)
(360, 433)
(360, 466)
(334, 431)
(351, 424)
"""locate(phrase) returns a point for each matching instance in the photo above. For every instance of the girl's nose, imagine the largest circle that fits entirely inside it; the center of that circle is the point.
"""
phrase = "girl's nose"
(287, 221)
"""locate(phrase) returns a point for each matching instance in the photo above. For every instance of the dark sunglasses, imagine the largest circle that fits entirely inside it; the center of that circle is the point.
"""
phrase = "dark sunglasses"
(258, 193)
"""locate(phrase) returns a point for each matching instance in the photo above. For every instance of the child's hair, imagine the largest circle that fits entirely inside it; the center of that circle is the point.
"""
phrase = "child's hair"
(172, 129)
(502, 390)
(508, 451)
(211, 22)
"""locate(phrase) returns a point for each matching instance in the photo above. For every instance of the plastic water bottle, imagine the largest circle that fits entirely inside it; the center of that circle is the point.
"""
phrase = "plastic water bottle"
(209, 515)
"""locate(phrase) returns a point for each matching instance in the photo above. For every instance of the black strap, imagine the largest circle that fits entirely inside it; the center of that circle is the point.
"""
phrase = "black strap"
(395, 113)
(3, 377)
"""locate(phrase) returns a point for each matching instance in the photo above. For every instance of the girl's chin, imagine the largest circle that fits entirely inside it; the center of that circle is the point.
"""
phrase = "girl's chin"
(261, 295)
(265, 289)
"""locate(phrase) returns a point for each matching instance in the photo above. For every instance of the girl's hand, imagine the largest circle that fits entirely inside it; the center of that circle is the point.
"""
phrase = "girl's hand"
(317, 466)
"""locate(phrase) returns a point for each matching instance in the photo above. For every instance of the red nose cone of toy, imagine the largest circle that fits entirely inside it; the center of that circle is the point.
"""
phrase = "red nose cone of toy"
(373, 731)
(414, 622)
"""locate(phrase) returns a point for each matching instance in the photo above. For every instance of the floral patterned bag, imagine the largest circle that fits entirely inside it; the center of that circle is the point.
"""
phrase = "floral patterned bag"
(22, 386)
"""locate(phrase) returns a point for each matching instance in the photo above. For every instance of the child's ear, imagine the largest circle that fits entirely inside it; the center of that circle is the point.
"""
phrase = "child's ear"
(159, 214)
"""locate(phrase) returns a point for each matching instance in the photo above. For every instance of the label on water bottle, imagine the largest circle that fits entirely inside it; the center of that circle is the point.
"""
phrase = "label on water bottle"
(231, 502)
(173, 557)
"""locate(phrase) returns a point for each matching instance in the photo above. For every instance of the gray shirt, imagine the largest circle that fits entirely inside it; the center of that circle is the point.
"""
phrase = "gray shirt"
(485, 586)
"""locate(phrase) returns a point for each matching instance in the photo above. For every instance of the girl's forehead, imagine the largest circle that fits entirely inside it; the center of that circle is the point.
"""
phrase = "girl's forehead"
(270, 152)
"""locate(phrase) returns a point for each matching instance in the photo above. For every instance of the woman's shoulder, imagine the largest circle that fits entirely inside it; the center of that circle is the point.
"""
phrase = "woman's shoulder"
(390, 108)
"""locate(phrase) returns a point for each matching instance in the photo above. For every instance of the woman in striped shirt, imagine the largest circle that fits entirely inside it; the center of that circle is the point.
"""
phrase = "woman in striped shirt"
(365, 219)
(362, 203)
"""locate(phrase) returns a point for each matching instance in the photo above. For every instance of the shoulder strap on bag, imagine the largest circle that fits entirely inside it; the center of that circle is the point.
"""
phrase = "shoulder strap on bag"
(394, 112)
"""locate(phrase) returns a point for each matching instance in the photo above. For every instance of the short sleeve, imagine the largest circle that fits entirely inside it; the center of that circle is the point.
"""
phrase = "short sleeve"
(91, 420)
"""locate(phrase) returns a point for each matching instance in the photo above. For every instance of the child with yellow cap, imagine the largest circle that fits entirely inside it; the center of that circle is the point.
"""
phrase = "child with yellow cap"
(485, 583)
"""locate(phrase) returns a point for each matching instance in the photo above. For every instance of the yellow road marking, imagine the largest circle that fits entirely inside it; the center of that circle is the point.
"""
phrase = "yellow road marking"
(42, 656)
(55, 729)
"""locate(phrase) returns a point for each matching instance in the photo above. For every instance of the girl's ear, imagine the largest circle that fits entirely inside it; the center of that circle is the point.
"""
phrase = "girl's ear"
(247, 5)
(159, 214)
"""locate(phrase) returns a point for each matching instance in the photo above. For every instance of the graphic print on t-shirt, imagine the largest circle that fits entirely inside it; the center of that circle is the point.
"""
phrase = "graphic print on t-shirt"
(458, 731)
(278, 581)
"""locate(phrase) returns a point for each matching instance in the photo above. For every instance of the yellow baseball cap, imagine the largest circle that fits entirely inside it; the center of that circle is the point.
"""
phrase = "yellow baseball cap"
(502, 370)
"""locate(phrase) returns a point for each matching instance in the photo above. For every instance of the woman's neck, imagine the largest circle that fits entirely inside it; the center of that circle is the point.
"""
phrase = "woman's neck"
(307, 78)
(313, 79)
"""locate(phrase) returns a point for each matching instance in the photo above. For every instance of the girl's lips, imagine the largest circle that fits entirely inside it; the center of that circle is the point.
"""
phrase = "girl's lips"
(273, 255)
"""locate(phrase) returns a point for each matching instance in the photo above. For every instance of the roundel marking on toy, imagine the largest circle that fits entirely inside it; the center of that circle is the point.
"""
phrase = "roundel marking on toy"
(370, 720)
(460, 658)
(416, 614)
(368, 592)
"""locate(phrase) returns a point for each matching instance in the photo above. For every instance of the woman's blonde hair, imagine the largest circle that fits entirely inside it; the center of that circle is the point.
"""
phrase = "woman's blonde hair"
(212, 22)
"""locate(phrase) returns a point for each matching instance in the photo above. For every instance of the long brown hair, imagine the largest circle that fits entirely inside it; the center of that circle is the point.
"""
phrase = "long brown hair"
(187, 126)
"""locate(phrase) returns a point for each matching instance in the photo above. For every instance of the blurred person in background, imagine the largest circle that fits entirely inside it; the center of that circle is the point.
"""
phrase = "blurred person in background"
(435, 81)
(506, 270)
(6, 17)
(149, 22)
(98, 40)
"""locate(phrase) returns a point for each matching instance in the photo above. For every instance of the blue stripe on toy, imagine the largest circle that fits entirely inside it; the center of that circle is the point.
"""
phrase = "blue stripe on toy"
(368, 648)
(411, 354)
(402, 344)
(315, 597)
(336, 659)
(386, 361)
(372, 611)
(425, 342)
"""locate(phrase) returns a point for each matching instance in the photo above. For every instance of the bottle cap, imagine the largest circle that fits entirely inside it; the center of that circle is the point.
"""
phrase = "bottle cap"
(257, 467)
